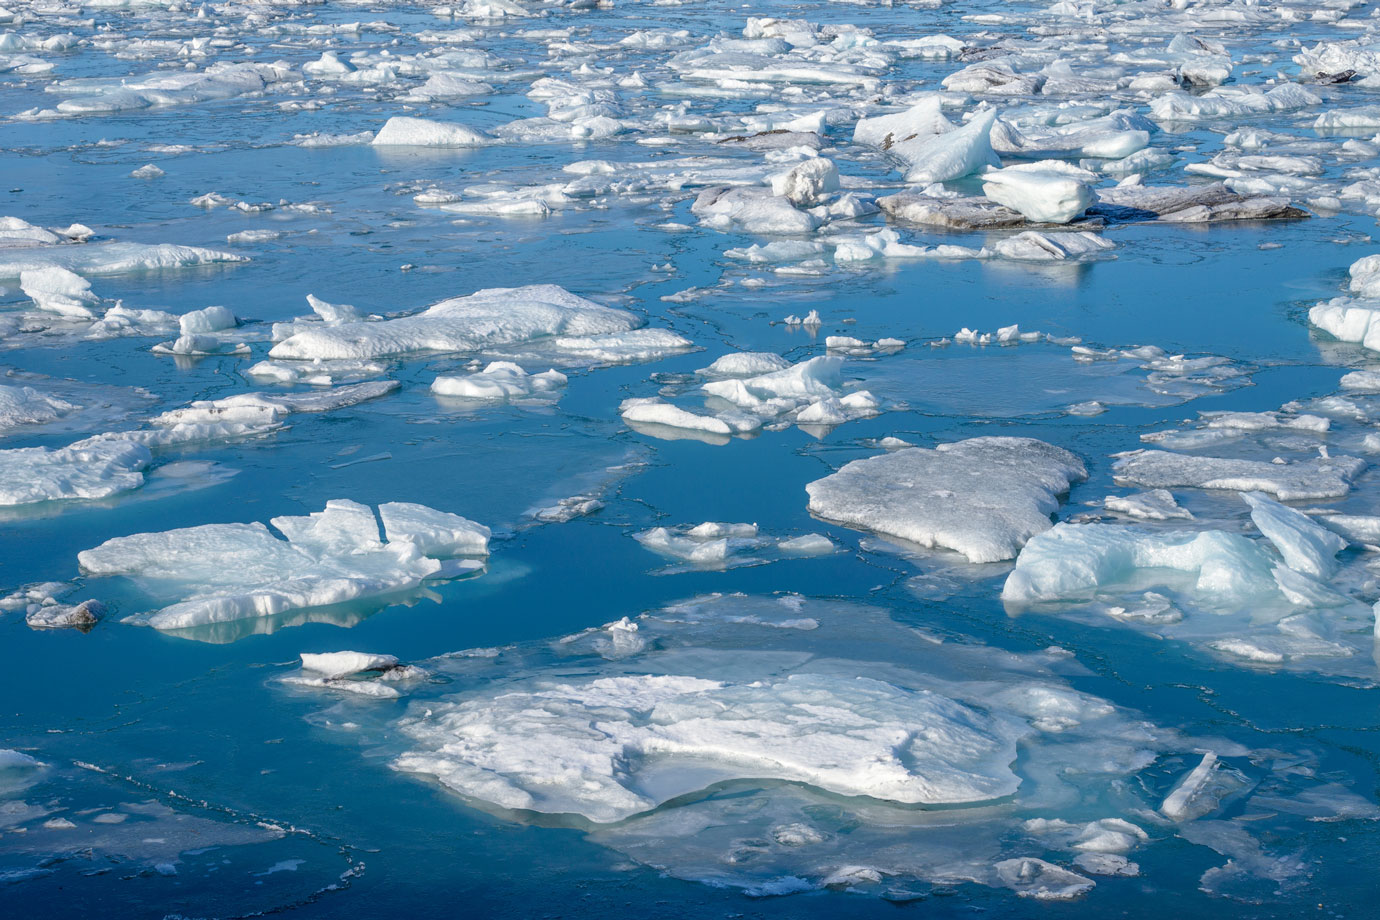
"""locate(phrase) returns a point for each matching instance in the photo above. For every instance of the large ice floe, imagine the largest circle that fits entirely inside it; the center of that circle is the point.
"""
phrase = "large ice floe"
(215, 573)
(714, 741)
(983, 497)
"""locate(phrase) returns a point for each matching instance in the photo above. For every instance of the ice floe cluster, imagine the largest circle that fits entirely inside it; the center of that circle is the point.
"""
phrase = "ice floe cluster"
(712, 740)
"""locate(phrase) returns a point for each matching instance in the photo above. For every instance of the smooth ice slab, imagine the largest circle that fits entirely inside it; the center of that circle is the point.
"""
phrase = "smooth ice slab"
(533, 748)
(90, 470)
(1321, 477)
(984, 497)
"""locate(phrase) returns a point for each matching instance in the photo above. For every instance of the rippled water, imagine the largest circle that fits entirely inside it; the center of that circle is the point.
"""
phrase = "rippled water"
(198, 783)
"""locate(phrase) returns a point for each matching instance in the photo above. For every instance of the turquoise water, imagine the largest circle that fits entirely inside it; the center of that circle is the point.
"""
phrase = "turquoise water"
(192, 732)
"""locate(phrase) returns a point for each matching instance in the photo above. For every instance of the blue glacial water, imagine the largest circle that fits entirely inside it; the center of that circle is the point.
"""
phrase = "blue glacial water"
(174, 772)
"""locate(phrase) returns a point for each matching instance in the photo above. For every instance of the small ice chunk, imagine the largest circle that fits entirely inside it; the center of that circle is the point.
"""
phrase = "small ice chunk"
(1046, 192)
(745, 364)
(655, 411)
(434, 533)
(1034, 878)
(1154, 505)
(499, 381)
(1306, 546)
(335, 665)
(207, 320)
(58, 290)
(81, 616)
(811, 544)
(403, 131)
(952, 155)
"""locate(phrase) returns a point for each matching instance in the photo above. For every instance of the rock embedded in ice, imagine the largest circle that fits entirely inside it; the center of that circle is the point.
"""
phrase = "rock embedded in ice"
(954, 213)
(1188, 204)
(81, 616)
(1322, 477)
(983, 497)
(403, 131)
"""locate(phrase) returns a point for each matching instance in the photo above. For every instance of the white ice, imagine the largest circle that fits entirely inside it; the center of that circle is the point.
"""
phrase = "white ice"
(983, 497)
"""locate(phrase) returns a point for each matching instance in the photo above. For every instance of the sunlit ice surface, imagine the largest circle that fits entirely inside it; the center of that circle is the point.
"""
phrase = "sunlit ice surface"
(657, 459)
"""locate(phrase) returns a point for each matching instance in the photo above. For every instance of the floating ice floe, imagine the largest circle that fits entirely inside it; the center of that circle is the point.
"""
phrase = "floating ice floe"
(88, 470)
(714, 545)
(729, 752)
(403, 131)
(358, 673)
(21, 406)
(242, 415)
(220, 80)
(500, 381)
(1046, 192)
(215, 573)
(810, 394)
(1256, 602)
(112, 258)
(983, 497)
(542, 315)
(43, 608)
(1316, 478)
